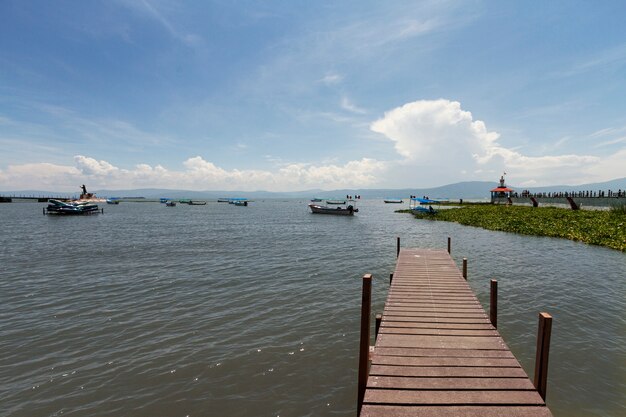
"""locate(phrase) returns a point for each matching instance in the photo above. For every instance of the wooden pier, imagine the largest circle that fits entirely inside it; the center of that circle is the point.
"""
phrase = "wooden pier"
(437, 352)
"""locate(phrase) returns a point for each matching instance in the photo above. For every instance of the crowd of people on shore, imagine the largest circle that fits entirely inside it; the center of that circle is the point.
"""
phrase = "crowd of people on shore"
(577, 194)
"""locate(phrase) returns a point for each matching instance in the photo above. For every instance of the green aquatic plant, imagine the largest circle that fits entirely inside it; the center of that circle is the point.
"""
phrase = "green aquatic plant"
(596, 227)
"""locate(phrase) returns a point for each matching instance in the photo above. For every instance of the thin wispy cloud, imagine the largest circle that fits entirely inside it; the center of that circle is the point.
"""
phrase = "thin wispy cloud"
(348, 105)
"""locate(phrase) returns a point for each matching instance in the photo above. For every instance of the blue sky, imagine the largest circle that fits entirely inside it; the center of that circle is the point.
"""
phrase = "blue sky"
(296, 95)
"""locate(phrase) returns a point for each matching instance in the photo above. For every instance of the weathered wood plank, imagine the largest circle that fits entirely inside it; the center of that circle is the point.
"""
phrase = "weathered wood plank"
(443, 371)
(462, 361)
(453, 411)
(454, 353)
(400, 382)
(388, 396)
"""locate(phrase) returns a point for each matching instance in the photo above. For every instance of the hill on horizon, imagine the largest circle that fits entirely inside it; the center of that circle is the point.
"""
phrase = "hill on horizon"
(465, 190)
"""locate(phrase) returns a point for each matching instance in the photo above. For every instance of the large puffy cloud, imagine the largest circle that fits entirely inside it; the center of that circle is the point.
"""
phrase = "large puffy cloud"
(198, 174)
(440, 134)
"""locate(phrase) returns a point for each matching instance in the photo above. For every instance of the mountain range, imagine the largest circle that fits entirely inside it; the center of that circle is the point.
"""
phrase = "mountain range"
(465, 190)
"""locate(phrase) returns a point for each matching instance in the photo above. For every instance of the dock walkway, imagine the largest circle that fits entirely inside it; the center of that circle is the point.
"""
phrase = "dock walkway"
(437, 353)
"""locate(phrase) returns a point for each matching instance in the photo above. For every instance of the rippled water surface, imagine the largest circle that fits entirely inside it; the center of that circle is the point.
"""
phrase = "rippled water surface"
(220, 310)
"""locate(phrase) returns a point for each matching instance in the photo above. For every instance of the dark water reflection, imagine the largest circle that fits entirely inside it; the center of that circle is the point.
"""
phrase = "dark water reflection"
(241, 311)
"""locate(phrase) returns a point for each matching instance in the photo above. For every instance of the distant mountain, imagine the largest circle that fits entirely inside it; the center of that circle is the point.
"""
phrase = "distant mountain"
(465, 190)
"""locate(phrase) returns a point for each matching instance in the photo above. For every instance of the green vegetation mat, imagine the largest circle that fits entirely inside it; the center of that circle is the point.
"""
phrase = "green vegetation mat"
(603, 228)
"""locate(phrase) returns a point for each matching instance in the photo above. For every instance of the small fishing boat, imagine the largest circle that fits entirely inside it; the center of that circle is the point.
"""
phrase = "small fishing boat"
(73, 208)
(418, 204)
(164, 200)
(170, 203)
(393, 201)
(196, 203)
(335, 201)
(316, 200)
(341, 211)
(113, 200)
(243, 203)
(223, 200)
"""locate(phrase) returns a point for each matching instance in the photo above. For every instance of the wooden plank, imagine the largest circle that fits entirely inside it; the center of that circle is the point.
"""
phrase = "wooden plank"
(455, 353)
(387, 396)
(400, 382)
(462, 361)
(431, 325)
(453, 411)
(443, 371)
(442, 332)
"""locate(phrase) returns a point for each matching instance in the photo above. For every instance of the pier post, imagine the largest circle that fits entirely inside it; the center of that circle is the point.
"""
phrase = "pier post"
(465, 268)
(379, 319)
(449, 245)
(390, 278)
(493, 303)
(398, 247)
(543, 350)
(364, 347)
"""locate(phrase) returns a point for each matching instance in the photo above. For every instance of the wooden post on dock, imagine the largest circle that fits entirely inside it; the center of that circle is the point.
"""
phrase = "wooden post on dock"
(379, 319)
(364, 346)
(449, 245)
(390, 278)
(465, 268)
(398, 247)
(543, 350)
(493, 303)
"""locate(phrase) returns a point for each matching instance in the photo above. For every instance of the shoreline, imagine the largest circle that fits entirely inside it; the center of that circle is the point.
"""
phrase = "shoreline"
(594, 227)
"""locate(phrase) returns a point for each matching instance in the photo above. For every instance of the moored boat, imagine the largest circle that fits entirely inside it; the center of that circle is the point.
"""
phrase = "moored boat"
(73, 208)
(196, 203)
(113, 200)
(393, 200)
(170, 203)
(341, 211)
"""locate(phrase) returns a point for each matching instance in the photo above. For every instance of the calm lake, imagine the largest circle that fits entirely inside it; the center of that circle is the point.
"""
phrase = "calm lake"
(220, 310)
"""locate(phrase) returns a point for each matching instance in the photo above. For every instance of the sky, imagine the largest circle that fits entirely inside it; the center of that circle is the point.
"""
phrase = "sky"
(298, 95)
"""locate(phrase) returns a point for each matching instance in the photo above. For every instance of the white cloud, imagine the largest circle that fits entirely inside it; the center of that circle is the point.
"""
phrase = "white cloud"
(331, 79)
(440, 134)
(198, 174)
(348, 105)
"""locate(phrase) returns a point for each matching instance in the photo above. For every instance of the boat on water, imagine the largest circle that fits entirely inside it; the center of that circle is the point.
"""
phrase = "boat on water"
(196, 203)
(340, 211)
(113, 200)
(164, 200)
(419, 205)
(223, 200)
(335, 201)
(170, 203)
(393, 201)
(73, 208)
(238, 201)
(316, 200)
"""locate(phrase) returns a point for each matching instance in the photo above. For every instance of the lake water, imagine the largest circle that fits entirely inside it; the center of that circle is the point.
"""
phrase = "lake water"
(220, 310)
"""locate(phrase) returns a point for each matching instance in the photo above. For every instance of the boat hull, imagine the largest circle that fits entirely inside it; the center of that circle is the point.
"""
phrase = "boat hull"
(337, 211)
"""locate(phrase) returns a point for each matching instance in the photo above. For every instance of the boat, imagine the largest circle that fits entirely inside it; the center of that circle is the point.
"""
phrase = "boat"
(335, 201)
(418, 205)
(223, 200)
(164, 200)
(316, 200)
(196, 203)
(341, 211)
(393, 201)
(113, 200)
(73, 208)
(170, 203)
(238, 201)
